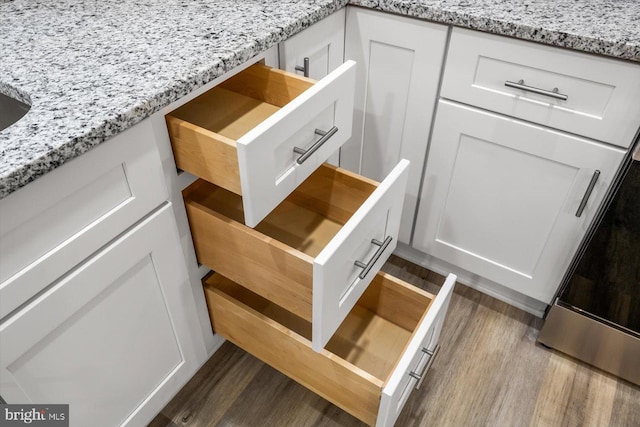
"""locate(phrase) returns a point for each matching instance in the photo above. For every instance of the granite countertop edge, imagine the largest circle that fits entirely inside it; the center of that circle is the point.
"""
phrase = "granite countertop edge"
(616, 49)
(23, 171)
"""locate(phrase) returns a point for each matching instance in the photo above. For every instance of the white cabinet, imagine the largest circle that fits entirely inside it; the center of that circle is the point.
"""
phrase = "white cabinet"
(96, 307)
(316, 51)
(399, 63)
(322, 44)
(114, 338)
(500, 197)
(57, 221)
(503, 182)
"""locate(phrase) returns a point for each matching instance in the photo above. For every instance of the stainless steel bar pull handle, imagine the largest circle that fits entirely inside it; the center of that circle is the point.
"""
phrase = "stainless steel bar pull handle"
(551, 93)
(367, 267)
(587, 194)
(305, 154)
(421, 376)
(304, 68)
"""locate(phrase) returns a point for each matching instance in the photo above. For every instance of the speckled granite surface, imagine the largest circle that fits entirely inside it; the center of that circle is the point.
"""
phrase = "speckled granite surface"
(91, 69)
(605, 27)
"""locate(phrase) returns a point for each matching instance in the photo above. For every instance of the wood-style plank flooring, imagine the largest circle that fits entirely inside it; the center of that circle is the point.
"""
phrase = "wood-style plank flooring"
(490, 372)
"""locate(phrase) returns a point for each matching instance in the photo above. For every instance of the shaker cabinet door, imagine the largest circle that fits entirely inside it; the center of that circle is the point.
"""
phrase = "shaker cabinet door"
(319, 48)
(503, 198)
(114, 338)
(315, 52)
(399, 63)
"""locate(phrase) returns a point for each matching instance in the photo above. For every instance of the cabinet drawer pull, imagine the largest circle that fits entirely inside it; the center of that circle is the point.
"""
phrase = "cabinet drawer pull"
(304, 68)
(367, 267)
(587, 194)
(421, 376)
(552, 93)
(305, 154)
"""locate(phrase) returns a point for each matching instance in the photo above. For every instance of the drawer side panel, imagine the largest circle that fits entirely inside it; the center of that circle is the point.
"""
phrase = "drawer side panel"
(205, 154)
(323, 373)
(264, 265)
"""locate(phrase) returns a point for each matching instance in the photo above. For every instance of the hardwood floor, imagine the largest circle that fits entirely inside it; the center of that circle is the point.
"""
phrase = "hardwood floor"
(489, 372)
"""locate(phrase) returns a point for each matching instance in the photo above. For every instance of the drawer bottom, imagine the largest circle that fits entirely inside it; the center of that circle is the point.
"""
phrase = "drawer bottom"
(357, 363)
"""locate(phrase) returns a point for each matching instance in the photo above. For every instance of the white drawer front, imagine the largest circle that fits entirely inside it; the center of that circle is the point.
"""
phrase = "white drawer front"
(338, 282)
(271, 166)
(417, 359)
(57, 221)
(601, 94)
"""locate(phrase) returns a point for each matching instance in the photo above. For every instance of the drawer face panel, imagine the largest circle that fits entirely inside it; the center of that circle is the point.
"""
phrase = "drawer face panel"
(263, 132)
(376, 347)
(368, 239)
(303, 255)
(417, 358)
(95, 198)
(579, 93)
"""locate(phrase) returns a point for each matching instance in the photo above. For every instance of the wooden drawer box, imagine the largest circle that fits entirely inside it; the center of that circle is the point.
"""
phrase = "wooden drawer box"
(505, 75)
(263, 131)
(303, 255)
(370, 366)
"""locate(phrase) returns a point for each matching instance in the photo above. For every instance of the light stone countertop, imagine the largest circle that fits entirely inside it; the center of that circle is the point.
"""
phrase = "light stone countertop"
(604, 27)
(91, 69)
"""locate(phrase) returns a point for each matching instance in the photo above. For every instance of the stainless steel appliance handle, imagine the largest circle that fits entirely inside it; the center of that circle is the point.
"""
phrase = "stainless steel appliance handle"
(304, 68)
(421, 376)
(636, 153)
(554, 93)
(305, 154)
(367, 267)
(587, 194)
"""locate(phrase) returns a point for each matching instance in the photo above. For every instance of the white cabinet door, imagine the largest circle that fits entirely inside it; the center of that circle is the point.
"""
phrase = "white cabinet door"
(322, 43)
(399, 63)
(319, 48)
(500, 197)
(114, 338)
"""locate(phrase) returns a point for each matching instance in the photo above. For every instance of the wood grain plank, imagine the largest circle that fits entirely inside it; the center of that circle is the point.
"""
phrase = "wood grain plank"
(625, 411)
(333, 192)
(268, 84)
(205, 154)
(260, 263)
(396, 301)
(216, 387)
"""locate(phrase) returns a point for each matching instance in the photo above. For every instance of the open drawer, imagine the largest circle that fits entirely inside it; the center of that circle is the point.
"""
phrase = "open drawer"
(315, 253)
(263, 131)
(369, 368)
